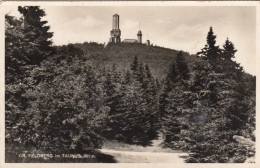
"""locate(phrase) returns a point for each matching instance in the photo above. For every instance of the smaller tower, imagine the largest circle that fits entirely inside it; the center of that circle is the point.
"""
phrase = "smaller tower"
(139, 36)
(148, 41)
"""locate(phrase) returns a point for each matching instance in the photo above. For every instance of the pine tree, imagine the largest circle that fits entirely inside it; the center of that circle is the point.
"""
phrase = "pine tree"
(207, 121)
(228, 54)
(176, 105)
(236, 83)
(229, 50)
(141, 109)
(135, 65)
(211, 52)
(36, 34)
(182, 67)
(220, 110)
(151, 97)
(112, 86)
(167, 87)
(130, 119)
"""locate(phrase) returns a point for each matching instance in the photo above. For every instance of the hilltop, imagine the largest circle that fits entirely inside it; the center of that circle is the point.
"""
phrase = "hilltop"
(122, 54)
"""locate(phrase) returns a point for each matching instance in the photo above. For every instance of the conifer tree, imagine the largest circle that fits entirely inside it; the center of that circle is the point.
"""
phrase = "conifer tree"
(36, 34)
(228, 54)
(167, 87)
(131, 111)
(176, 105)
(219, 110)
(151, 97)
(182, 67)
(235, 79)
(211, 52)
(135, 65)
(112, 87)
(229, 50)
(20, 46)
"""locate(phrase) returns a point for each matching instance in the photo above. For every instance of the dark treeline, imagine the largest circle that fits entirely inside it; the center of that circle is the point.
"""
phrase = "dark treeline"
(205, 112)
(58, 102)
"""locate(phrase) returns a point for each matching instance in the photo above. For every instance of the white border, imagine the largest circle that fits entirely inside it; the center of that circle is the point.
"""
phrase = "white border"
(4, 6)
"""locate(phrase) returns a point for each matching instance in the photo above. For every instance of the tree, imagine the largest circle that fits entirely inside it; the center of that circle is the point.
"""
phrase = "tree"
(27, 43)
(15, 59)
(176, 105)
(228, 54)
(219, 110)
(134, 116)
(36, 34)
(208, 122)
(167, 87)
(151, 98)
(229, 50)
(235, 77)
(112, 87)
(66, 112)
(16, 70)
(135, 65)
(183, 70)
(131, 125)
(211, 52)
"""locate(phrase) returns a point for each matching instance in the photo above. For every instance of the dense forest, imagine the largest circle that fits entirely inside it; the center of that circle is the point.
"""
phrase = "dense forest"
(69, 99)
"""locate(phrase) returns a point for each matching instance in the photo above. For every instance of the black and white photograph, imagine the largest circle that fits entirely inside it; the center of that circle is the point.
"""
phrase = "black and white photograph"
(129, 84)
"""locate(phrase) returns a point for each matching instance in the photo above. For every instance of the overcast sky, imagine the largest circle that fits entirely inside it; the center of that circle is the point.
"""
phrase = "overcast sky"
(182, 28)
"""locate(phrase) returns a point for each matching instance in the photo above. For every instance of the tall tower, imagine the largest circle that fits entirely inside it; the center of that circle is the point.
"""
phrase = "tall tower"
(115, 33)
(139, 36)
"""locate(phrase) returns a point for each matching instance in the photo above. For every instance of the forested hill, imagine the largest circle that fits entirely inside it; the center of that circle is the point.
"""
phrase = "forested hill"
(56, 102)
(158, 58)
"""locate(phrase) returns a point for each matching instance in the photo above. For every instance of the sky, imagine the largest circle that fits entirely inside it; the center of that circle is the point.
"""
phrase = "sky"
(181, 28)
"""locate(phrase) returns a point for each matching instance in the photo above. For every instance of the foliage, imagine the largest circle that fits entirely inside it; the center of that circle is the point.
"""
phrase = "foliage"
(123, 54)
(53, 104)
(67, 99)
(211, 52)
(216, 108)
(20, 47)
(204, 113)
(36, 34)
(174, 101)
(133, 109)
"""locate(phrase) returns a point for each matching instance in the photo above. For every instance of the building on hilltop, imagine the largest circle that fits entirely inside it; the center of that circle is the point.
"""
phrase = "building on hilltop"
(115, 33)
(139, 38)
(130, 41)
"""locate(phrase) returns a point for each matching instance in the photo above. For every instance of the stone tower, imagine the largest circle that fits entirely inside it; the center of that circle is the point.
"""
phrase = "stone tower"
(139, 36)
(115, 33)
(148, 42)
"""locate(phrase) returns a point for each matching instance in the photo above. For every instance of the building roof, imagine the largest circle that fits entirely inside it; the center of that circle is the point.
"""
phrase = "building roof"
(130, 41)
